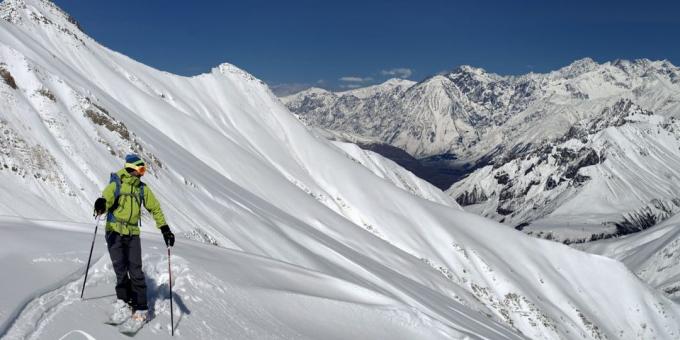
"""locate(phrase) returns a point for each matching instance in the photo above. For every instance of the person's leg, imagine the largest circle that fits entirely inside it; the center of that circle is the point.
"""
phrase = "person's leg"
(128, 289)
(118, 251)
(136, 274)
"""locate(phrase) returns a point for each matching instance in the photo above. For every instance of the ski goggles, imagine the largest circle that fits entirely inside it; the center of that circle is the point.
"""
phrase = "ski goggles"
(137, 166)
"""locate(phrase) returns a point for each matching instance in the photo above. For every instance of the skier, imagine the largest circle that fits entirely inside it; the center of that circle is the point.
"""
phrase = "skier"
(122, 200)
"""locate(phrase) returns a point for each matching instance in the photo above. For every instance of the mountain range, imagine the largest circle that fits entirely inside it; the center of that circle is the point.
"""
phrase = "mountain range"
(593, 144)
(281, 233)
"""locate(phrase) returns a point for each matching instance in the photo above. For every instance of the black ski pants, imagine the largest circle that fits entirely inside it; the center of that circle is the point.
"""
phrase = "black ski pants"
(126, 256)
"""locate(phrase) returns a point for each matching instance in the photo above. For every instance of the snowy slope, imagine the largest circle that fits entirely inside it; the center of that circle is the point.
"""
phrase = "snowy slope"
(233, 168)
(218, 293)
(652, 255)
(392, 172)
(611, 175)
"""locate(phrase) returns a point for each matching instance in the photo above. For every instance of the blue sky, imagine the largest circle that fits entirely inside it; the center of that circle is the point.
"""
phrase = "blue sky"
(342, 44)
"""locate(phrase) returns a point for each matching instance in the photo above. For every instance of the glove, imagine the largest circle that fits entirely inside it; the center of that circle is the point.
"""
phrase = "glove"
(168, 236)
(99, 206)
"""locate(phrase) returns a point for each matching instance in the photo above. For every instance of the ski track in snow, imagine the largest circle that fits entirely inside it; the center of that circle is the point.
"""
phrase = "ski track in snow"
(230, 311)
(77, 331)
(39, 318)
(28, 320)
(40, 311)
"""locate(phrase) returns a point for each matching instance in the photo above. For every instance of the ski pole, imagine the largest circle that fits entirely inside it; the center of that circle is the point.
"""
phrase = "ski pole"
(172, 319)
(87, 269)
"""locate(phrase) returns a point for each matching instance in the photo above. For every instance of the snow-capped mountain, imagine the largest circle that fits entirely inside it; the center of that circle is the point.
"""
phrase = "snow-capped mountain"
(470, 112)
(299, 237)
(525, 139)
(610, 175)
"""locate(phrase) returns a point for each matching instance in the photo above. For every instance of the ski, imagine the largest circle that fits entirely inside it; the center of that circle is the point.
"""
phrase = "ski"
(121, 313)
(130, 327)
(114, 323)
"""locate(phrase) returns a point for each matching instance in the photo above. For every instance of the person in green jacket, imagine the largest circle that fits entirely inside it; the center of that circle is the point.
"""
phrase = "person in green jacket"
(122, 201)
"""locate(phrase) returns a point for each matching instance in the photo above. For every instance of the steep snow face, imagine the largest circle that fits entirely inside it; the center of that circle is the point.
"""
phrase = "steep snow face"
(471, 113)
(651, 254)
(233, 168)
(586, 185)
(392, 172)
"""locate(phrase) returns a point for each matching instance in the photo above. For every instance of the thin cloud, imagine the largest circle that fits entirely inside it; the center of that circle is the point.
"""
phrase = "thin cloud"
(350, 86)
(353, 79)
(399, 72)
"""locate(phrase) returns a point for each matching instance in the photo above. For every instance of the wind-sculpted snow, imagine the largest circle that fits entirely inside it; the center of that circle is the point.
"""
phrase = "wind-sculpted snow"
(217, 294)
(653, 255)
(302, 241)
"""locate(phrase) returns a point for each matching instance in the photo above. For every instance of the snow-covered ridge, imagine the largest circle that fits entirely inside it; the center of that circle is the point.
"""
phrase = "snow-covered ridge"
(362, 93)
(609, 175)
(233, 168)
(391, 171)
(369, 91)
(651, 254)
(470, 112)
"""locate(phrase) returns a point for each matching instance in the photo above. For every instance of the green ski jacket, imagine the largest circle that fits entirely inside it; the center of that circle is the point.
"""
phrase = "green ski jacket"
(128, 213)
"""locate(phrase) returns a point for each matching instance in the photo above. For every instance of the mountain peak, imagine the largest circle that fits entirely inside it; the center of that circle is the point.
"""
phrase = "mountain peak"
(398, 82)
(578, 67)
(372, 90)
(231, 69)
(583, 62)
(469, 69)
(43, 12)
(311, 91)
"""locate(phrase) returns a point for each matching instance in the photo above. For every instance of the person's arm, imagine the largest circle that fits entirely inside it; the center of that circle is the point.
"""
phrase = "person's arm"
(154, 207)
(104, 203)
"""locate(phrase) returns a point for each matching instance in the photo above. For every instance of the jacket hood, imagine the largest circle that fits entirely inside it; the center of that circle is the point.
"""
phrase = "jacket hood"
(125, 177)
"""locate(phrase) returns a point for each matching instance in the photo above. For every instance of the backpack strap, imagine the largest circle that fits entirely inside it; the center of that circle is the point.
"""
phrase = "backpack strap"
(141, 200)
(141, 193)
(116, 194)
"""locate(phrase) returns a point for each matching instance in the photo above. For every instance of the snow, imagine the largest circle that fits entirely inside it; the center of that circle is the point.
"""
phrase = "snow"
(471, 113)
(652, 255)
(621, 169)
(362, 93)
(392, 172)
(369, 91)
(281, 233)
(217, 293)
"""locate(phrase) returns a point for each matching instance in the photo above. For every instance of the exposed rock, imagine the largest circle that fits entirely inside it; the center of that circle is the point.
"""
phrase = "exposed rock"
(502, 178)
(468, 198)
(7, 77)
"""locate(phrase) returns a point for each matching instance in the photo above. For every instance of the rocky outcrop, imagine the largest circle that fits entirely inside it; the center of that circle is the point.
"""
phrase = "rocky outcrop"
(648, 216)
